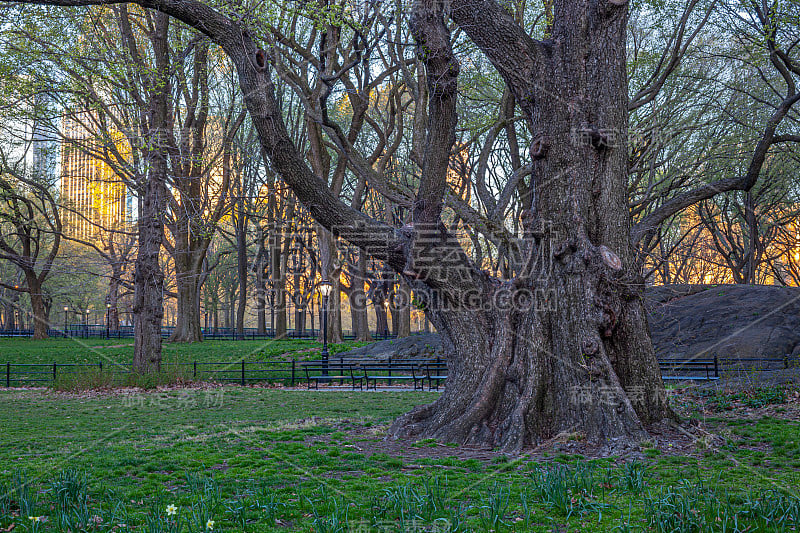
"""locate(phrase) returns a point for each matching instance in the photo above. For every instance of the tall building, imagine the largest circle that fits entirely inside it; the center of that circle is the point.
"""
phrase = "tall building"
(95, 197)
(44, 144)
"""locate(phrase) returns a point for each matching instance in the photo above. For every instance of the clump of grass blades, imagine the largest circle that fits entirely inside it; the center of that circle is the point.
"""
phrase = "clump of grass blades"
(22, 493)
(330, 514)
(634, 477)
(5, 501)
(493, 512)
(567, 489)
(69, 489)
(197, 483)
(693, 507)
(417, 500)
(158, 521)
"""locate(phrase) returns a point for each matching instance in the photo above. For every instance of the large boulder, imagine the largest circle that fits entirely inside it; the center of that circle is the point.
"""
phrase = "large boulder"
(419, 346)
(730, 321)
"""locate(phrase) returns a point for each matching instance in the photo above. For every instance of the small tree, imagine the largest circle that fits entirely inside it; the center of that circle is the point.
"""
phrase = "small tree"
(30, 236)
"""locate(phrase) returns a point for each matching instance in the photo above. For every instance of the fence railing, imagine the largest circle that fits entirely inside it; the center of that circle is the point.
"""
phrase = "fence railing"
(290, 372)
(99, 331)
(240, 372)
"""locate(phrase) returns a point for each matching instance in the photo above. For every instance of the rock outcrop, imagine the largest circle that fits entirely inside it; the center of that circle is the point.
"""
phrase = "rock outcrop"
(730, 321)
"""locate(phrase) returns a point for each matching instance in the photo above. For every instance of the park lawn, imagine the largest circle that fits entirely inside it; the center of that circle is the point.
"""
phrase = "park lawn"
(259, 459)
(120, 351)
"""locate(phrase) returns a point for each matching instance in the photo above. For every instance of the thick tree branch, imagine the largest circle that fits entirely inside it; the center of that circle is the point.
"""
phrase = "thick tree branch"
(521, 59)
(433, 47)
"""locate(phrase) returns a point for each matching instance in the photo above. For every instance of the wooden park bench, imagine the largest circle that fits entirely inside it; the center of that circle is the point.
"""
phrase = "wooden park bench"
(689, 369)
(389, 371)
(318, 372)
(755, 363)
(435, 371)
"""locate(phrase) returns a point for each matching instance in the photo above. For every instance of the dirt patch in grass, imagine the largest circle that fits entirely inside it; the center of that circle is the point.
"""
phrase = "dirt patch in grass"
(690, 438)
(116, 391)
(704, 429)
(738, 402)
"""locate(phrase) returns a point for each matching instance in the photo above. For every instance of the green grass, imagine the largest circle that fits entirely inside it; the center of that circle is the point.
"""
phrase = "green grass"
(120, 351)
(116, 356)
(273, 460)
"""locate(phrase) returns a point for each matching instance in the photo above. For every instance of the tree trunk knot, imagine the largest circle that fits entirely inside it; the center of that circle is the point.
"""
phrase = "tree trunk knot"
(590, 346)
(610, 259)
(261, 59)
(533, 226)
(609, 316)
(539, 148)
(406, 247)
(564, 248)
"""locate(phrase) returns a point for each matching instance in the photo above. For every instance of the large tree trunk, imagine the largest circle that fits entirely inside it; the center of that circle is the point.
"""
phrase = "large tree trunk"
(567, 353)
(401, 310)
(521, 377)
(358, 301)
(113, 299)
(148, 305)
(261, 298)
(241, 270)
(188, 324)
(570, 353)
(148, 278)
(38, 306)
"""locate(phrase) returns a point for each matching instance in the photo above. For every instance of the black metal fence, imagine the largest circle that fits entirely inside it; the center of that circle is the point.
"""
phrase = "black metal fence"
(291, 372)
(99, 331)
(242, 372)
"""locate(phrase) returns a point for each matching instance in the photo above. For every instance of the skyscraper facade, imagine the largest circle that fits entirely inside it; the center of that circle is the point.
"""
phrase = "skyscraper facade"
(94, 196)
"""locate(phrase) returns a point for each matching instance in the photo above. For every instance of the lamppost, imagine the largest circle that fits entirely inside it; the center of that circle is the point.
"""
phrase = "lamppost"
(325, 290)
(272, 306)
(86, 323)
(386, 322)
(108, 321)
(65, 320)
